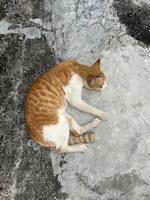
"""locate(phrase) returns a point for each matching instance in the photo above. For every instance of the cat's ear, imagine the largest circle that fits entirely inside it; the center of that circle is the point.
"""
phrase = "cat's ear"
(96, 65)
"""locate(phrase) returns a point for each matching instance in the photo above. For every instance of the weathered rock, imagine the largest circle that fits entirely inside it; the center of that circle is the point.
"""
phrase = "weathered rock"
(25, 171)
(136, 17)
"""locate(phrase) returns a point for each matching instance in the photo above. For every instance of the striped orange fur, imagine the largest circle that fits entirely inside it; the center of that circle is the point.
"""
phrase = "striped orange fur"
(47, 95)
(86, 138)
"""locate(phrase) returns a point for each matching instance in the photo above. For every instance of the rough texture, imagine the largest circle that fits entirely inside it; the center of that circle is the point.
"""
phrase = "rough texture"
(25, 169)
(136, 17)
(36, 34)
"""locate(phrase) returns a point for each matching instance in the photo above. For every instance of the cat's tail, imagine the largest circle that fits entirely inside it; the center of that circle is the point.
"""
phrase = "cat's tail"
(86, 138)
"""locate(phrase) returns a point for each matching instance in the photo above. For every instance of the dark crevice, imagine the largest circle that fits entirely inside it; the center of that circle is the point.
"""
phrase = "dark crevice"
(136, 19)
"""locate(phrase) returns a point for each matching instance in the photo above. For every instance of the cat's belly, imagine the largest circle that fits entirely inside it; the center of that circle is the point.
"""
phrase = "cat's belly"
(58, 133)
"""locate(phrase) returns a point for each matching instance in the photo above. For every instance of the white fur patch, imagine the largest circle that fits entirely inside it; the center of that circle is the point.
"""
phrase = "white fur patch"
(74, 88)
(58, 133)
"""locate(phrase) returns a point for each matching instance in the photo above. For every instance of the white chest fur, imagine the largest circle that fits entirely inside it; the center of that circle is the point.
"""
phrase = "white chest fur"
(74, 88)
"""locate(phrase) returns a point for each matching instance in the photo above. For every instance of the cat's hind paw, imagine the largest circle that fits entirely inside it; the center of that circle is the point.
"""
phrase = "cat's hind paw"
(82, 148)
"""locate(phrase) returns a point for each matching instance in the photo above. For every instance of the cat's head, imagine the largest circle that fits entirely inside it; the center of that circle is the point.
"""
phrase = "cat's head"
(96, 78)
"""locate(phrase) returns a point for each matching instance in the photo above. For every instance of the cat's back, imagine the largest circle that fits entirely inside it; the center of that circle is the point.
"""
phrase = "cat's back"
(56, 77)
(52, 81)
(46, 94)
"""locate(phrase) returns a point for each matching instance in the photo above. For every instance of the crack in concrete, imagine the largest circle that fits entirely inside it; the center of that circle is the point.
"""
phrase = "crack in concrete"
(13, 189)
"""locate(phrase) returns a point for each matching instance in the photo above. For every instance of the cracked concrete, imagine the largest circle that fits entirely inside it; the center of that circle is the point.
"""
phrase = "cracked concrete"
(36, 34)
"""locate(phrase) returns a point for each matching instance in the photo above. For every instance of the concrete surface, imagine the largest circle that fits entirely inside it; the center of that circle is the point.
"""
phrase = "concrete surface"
(36, 34)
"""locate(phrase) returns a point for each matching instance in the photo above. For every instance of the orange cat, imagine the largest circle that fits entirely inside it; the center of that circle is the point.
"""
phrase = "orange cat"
(46, 101)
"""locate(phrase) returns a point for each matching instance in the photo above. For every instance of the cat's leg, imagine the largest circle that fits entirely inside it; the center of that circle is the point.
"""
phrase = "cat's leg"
(65, 147)
(76, 129)
(59, 135)
(81, 105)
(90, 125)
(74, 148)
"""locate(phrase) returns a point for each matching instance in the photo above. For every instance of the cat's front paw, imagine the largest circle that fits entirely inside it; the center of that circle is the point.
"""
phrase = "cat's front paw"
(96, 122)
(103, 115)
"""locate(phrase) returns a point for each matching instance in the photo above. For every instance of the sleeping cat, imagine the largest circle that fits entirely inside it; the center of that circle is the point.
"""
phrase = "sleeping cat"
(46, 101)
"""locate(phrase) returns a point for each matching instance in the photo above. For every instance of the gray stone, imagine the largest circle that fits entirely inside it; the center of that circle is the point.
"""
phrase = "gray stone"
(25, 170)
